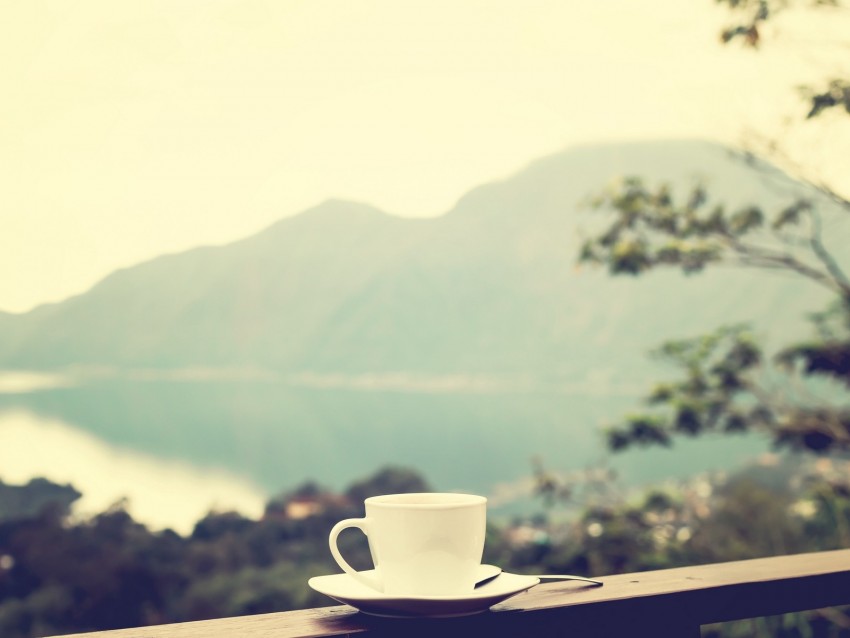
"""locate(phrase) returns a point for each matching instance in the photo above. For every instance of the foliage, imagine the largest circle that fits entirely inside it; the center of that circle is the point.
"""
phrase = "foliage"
(728, 383)
(651, 229)
(390, 480)
(833, 93)
(725, 389)
(59, 576)
(723, 386)
(27, 500)
(770, 507)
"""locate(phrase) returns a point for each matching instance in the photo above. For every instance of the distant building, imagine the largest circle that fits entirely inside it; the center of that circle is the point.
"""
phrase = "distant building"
(301, 506)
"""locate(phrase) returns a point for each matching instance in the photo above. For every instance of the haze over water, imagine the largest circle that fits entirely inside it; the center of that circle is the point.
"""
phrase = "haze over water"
(240, 442)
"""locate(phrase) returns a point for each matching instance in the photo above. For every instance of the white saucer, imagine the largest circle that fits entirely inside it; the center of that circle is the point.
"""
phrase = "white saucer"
(345, 589)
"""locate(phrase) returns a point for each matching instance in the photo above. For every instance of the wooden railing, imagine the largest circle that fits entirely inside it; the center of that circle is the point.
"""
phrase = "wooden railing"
(671, 602)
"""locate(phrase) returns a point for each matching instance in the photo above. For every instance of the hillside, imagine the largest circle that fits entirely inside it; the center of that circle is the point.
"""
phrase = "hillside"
(488, 292)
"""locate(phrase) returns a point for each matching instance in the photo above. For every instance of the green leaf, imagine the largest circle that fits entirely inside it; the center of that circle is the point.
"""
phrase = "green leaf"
(746, 220)
(791, 214)
(661, 393)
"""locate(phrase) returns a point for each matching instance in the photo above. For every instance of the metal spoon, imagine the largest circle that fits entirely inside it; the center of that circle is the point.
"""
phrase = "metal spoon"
(490, 572)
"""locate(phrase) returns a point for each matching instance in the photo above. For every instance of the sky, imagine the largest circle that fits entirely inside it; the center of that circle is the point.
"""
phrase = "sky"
(133, 129)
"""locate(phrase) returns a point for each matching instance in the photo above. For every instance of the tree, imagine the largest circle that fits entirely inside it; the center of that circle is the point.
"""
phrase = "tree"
(388, 480)
(726, 385)
(27, 501)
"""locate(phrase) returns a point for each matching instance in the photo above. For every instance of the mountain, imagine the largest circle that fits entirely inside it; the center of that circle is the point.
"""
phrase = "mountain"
(488, 293)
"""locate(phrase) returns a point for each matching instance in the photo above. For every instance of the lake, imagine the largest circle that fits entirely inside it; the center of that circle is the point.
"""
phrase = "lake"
(177, 448)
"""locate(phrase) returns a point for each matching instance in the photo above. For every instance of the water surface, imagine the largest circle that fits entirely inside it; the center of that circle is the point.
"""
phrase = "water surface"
(178, 448)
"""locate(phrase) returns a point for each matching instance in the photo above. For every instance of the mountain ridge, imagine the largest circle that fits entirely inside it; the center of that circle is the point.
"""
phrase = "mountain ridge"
(488, 288)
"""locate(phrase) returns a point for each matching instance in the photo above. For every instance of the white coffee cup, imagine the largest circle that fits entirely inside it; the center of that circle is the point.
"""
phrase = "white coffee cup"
(426, 544)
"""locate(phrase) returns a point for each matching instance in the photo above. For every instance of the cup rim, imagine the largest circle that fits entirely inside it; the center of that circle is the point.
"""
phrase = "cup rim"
(442, 500)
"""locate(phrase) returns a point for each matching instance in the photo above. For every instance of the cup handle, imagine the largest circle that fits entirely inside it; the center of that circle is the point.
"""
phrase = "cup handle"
(363, 525)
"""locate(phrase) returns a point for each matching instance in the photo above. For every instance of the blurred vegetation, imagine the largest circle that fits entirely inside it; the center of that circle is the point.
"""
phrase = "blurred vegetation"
(59, 574)
(727, 381)
(777, 505)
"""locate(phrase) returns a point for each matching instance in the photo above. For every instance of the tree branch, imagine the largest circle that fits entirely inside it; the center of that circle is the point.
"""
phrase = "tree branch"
(765, 258)
(832, 267)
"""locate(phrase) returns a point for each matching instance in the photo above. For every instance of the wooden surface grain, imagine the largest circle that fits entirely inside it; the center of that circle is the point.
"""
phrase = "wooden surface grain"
(670, 602)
